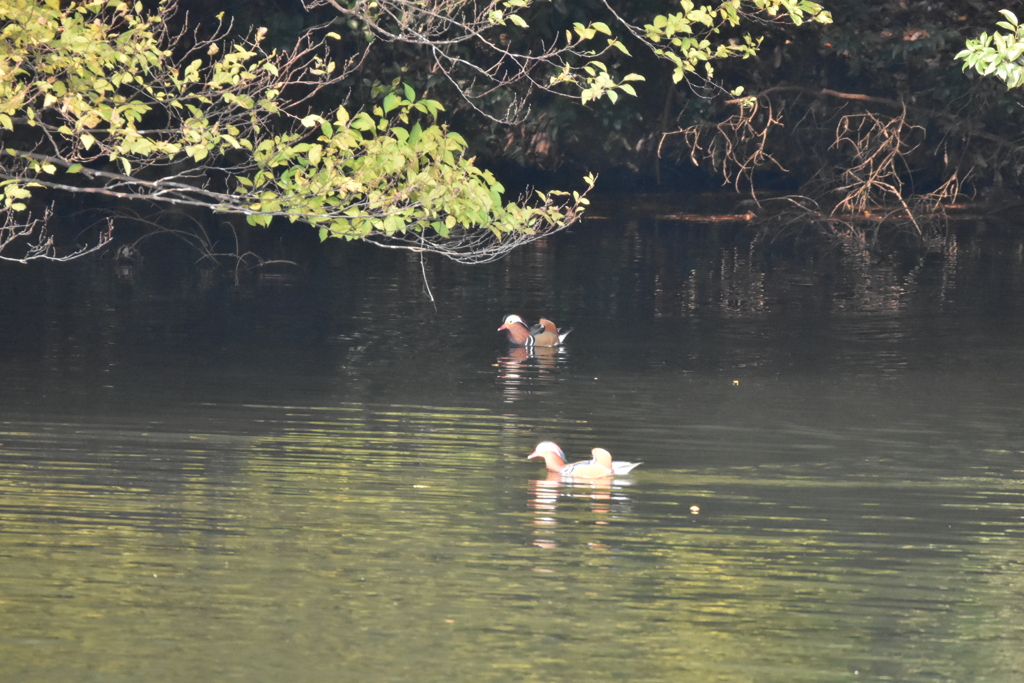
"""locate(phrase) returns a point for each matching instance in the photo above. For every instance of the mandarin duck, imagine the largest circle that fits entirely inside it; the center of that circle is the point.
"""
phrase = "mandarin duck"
(543, 333)
(602, 462)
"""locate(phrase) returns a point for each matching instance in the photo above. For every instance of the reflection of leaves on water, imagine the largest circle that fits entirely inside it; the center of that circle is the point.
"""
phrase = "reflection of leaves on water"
(526, 371)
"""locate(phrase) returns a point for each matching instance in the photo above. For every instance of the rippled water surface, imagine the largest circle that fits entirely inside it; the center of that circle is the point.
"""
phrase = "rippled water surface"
(322, 476)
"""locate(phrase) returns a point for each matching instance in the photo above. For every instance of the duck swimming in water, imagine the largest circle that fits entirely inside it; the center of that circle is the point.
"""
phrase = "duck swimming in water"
(600, 465)
(543, 333)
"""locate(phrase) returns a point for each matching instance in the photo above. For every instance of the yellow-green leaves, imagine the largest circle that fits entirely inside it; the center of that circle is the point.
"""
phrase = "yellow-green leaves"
(13, 194)
(100, 67)
(687, 39)
(76, 64)
(366, 174)
(95, 87)
(501, 16)
(682, 38)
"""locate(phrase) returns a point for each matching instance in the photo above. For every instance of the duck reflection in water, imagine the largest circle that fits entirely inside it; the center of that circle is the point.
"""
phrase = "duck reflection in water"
(526, 370)
(545, 494)
(593, 480)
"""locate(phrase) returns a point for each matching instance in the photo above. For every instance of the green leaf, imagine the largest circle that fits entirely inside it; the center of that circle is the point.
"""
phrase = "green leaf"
(363, 122)
(16, 192)
(342, 117)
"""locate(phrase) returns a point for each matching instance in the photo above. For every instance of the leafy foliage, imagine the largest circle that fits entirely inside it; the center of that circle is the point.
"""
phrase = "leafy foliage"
(102, 97)
(998, 54)
(863, 125)
(687, 51)
(96, 84)
(516, 77)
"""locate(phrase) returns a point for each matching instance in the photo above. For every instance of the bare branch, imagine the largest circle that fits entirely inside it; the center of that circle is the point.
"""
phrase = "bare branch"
(23, 240)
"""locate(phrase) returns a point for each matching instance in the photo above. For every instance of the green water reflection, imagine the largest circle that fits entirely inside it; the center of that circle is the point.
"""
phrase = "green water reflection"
(324, 478)
(412, 543)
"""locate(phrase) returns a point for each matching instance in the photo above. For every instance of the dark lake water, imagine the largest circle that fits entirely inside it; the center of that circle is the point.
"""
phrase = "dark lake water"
(321, 475)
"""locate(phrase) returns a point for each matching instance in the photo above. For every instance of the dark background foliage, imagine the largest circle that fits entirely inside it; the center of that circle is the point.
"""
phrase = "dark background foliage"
(881, 56)
(882, 79)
